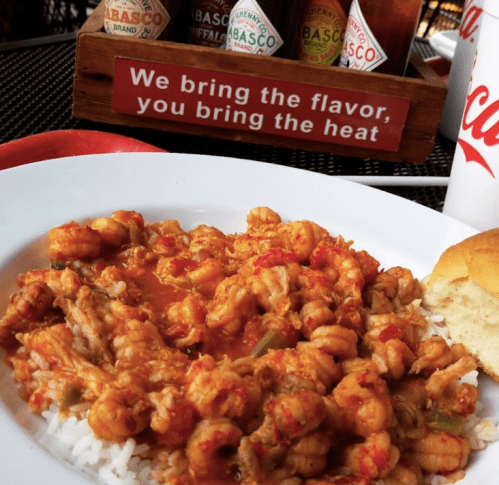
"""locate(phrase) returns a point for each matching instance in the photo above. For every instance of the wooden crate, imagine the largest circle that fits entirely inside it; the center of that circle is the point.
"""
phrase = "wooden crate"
(195, 90)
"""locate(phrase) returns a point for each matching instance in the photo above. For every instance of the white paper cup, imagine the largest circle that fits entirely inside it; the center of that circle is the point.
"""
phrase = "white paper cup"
(473, 192)
(460, 71)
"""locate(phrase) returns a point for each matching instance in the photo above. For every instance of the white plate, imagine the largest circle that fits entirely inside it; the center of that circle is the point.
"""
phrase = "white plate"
(195, 189)
(445, 42)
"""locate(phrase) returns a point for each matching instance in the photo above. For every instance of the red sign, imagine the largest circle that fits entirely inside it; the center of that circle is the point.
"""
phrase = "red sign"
(251, 103)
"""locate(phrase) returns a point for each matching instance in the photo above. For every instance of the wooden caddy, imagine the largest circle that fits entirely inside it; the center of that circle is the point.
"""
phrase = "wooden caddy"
(98, 93)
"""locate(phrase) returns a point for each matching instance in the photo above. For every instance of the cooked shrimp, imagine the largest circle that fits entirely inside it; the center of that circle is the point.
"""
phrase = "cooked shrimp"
(404, 473)
(315, 314)
(408, 288)
(72, 241)
(217, 393)
(304, 368)
(301, 238)
(62, 282)
(261, 216)
(307, 456)
(119, 414)
(212, 448)
(173, 417)
(440, 452)
(230, 308)
(335, 340)
(440, 380)
(24, 309)
(376, 457)
(364, 403)
(392, 357)
(112, 232)
(296, 414)
(341, 267)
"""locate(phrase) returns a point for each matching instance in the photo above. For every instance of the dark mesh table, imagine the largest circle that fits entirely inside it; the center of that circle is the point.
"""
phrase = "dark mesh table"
(36, 95)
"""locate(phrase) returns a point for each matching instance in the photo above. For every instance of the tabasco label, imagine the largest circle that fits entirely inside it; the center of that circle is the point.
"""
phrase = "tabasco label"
(209, 21)
(250, 30)
(144, 19)
(322, 32)
(361, 50)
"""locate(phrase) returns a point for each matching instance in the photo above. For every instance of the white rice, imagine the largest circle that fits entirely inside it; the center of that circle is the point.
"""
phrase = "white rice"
(114, 463)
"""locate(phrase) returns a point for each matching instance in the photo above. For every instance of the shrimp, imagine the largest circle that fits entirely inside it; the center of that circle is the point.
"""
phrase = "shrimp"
(135, 342)
(301, 238)
(208, 242)
(344, 273)
(440, 380)
(314, 286)
(24, 309)
(212, 448)
(296, 414)
(133, 222)
(408, 288)
(404, 473)
(341, 267)
(230, 308)
(270, 288)
(173, 417)
(363, 403)
(307, 456)
(72, 241)
(113, 234)
(217, 392)
(119, 414)
(392, 357)
(435, 353)
(440, 452)
(335, 340)
(303, 368)
(262, 216)
(64, 282)
(376, 457)
(315, 314)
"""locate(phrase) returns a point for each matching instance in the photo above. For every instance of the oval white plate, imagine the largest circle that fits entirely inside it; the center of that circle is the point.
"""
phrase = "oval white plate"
(195, 189)
(444, 43)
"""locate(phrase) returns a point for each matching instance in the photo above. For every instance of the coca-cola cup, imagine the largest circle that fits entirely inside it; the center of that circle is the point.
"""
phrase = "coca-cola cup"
(473, 192)
(460, 71)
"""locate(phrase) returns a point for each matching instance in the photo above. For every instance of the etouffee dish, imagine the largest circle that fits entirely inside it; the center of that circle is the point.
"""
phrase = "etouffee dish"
(281, 355)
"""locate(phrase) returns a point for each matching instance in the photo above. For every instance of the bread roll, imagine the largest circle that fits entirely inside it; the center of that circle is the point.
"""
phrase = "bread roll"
(464, 288)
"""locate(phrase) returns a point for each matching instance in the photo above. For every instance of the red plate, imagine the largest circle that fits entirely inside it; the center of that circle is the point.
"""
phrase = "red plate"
(66, 143)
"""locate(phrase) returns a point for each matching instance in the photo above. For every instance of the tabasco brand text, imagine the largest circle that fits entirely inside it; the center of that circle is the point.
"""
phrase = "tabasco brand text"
(208, 22)
(250, 103)
(473, 192)
(251, 31)
(322, 32)
(361, 50)
(144, 19)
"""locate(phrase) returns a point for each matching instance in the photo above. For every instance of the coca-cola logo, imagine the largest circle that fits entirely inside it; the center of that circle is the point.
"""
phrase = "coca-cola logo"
(483, 127)
(470, 20)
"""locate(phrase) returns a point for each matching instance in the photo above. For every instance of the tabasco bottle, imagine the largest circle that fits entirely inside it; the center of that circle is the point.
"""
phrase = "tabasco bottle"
(321, 30)
(379, 35)
(208, 21)
(264, 27)
(142, 19)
